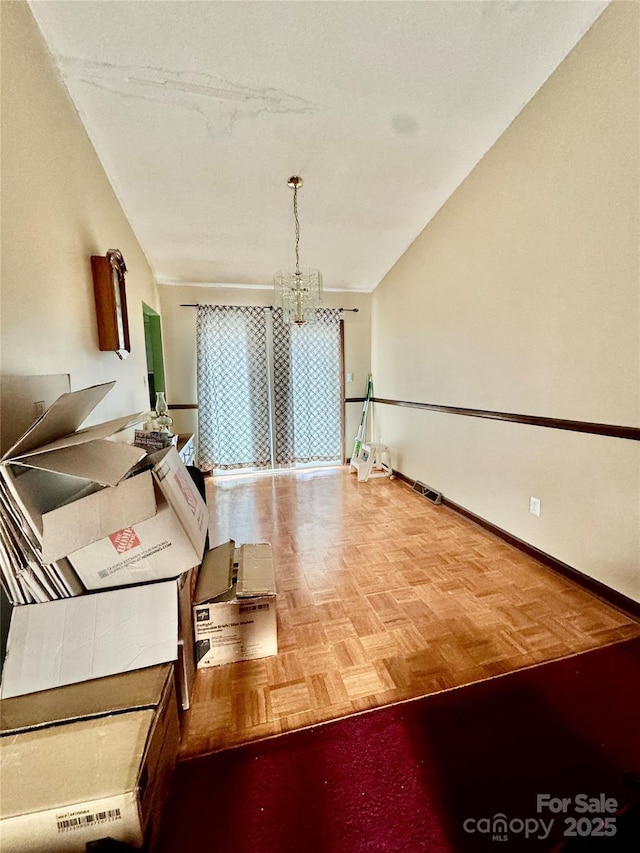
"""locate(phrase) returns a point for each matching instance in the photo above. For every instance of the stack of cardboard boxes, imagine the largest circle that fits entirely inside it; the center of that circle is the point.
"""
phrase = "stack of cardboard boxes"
(100, 547)
(103, 543)
(107, 541)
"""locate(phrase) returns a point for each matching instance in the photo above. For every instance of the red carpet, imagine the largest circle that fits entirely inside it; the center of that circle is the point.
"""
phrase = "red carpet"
(410, 778)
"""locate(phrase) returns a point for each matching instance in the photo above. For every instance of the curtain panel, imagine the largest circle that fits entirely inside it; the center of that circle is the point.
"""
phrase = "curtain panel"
(307, 390)
(234, 421)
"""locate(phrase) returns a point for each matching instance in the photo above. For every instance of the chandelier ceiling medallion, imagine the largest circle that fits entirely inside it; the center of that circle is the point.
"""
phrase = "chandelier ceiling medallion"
(298, 292)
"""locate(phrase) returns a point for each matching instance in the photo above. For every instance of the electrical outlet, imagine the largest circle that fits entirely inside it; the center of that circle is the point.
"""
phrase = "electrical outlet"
(534, 506)
(349, 377)
(38, 408)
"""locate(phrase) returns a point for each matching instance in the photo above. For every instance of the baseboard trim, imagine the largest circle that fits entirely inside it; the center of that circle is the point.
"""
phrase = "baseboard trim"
(606, 593)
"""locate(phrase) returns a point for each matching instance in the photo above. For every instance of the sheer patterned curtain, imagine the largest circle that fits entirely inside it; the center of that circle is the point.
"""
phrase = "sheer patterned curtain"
(307, 393)
(233, 388)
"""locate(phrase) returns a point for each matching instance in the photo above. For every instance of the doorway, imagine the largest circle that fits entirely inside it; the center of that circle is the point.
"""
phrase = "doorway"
(153, 349)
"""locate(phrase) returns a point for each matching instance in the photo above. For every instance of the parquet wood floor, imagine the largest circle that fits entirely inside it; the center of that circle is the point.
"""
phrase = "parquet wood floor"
(382, 597)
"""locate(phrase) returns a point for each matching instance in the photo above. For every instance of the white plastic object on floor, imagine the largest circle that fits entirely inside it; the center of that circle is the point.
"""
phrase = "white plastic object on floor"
(373, 460)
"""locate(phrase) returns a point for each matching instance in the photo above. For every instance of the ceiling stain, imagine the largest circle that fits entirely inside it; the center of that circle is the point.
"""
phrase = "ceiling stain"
(222, 103)
(405, 124)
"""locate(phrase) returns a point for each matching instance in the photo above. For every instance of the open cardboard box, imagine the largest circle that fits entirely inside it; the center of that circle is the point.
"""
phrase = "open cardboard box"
(86, 498)
(88, 762)
(55, 465)
(162, 546)
(234, 612)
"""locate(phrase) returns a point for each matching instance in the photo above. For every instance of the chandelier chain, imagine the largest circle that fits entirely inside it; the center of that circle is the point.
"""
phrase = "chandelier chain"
(295, 216)
(298, 293)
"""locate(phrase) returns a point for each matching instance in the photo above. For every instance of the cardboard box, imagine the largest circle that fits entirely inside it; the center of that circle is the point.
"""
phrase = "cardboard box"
(186, 663)
(22, 397)
(234, 612)
(105, 775)
(90, 636)
(129, 691)
(55, 467)
(161, 546)
(117, 515)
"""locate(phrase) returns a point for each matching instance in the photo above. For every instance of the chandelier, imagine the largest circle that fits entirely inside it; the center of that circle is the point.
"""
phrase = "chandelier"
(297, 292)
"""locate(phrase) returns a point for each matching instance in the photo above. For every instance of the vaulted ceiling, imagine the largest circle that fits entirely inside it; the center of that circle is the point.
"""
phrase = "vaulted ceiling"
(200, 112)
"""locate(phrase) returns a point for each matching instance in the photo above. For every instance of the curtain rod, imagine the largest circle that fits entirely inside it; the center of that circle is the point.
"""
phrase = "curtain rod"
(270, 307)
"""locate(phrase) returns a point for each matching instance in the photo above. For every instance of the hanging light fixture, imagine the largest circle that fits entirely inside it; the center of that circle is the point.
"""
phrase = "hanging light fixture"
(298, 292)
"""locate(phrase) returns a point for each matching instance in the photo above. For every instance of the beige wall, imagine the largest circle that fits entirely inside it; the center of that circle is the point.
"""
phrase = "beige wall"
(57, 210)
(522, 295)
(179, 336)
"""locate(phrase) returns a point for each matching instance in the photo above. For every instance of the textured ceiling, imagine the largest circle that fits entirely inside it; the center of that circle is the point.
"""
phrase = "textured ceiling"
(200, 112)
